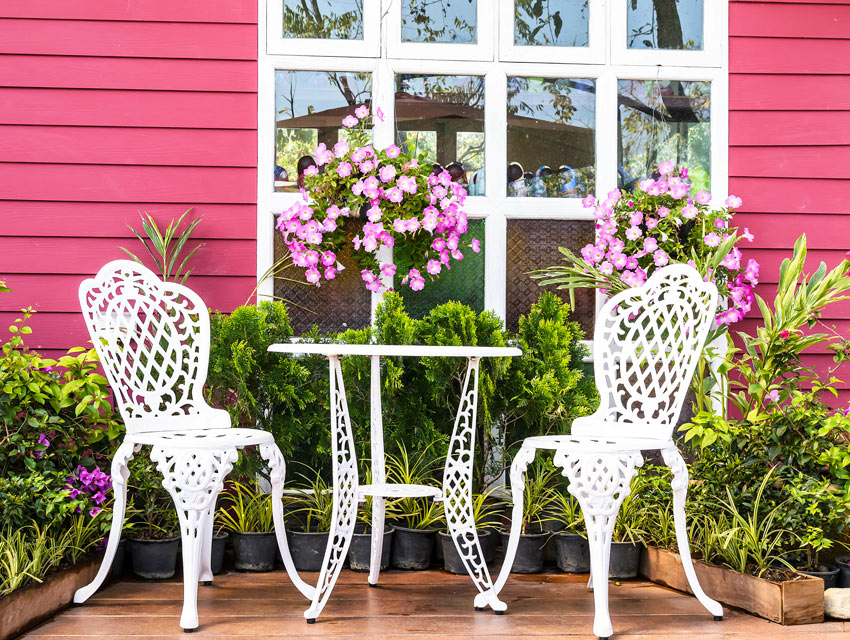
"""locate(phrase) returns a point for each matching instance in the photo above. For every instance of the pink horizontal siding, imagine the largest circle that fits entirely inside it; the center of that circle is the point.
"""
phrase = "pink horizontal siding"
(789, 133)
(109, 109)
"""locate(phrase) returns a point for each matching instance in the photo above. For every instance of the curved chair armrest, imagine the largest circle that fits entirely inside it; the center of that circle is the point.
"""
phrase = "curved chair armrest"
(215, 418)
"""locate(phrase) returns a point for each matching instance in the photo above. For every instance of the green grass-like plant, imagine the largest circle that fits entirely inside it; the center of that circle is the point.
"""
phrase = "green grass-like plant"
(245, 509)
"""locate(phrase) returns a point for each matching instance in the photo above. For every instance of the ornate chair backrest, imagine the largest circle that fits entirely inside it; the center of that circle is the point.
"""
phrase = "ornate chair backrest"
(646, 347)
(153, 341)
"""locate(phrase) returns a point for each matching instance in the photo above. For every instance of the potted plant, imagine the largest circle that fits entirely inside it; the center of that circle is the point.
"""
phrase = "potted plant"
(538, 494)
(360, 551)
(314, 507)
(486, 514)
(219, 542)
(629, 532)
(154, 542)
(572, 552)
(246, 512)
(416, 520)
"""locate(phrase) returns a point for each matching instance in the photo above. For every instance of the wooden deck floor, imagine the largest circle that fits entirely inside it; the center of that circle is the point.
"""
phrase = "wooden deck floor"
(418, 605)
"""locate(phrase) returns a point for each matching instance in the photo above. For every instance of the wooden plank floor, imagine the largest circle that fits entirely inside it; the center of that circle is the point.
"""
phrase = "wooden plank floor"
(420, 605)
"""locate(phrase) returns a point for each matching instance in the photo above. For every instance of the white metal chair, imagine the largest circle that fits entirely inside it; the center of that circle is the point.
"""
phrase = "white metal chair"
(153, 341)
(646, 347)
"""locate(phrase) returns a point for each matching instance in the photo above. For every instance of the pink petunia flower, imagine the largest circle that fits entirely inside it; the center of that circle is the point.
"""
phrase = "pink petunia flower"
(733, 202)
(475, 245)
(343, 170)
(650, 244)
(312, 275)
(633, 233)
(393, 151)
(349, 121)
(660, 258)
(588, 202)
(388, 270)
(749, 236)
(434, 267)
(712, 240)
(666, 168)
(330, 273)
(341, 148)
(387, 173)
(362, 111)
(703, 197)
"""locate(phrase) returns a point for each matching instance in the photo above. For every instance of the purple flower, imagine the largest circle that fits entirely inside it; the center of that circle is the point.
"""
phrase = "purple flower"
(94, 511)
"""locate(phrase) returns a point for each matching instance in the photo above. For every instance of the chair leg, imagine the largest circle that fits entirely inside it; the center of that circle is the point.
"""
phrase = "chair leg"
(120, 473)
(277, 470)
(599, 482)
(518, 468)
(194, 478)
(674, 460)
(378, 517)
(205, 573)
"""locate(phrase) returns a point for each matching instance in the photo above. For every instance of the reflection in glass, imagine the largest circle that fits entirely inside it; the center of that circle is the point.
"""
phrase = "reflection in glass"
(551, 23)
(551, 137)
(533, 244)
(463, 283)
(442, 117)
(452, 21)
(660, 121)
(309, 107)
(665, 24)
(327, 19)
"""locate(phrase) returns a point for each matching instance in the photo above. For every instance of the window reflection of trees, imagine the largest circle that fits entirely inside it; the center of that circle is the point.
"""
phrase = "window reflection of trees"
(551, 23)
(665, 24)
(332, 19)
(664, 120)
(450, 21)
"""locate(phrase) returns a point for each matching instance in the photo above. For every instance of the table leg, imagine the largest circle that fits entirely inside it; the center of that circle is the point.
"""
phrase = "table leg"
(345, 492)
(378, 470)
(457, 492)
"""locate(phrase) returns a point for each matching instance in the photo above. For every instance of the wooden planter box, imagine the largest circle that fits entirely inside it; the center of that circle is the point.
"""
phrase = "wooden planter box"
(26, 607)
(790, 602)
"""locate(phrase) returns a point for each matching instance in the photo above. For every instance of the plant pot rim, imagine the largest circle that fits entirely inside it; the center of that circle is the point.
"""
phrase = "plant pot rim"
(397, 528)
(481, 533)
(301, 532)
(221, 536)
(567, 534)
(833, 568)
(387, 529)
(545, 534)
(154, 540)
(251, 533)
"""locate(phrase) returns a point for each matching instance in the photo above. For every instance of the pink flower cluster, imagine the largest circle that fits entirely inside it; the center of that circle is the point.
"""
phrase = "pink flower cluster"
(401, 201)
(662, 222)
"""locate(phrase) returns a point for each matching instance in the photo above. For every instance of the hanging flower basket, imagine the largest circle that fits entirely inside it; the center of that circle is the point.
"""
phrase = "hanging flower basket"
(367, 198)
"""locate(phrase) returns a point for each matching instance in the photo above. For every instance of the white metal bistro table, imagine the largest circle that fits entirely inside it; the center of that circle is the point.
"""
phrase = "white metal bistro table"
(456, 492)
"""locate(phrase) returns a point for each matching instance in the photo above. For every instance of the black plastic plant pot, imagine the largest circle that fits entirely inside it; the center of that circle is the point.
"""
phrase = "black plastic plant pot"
(829, 575)
(154, 559)
(360, 551)
(625, 558)
(307, 549)
(572, 553)
(412, 548)
(118, 563)
(550, 554)
(843, 563)
(451, 558)
(217, 556)
(253, 551)
(529, 552)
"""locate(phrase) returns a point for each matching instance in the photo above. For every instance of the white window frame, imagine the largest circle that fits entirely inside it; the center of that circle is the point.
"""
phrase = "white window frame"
(276, 44)
(495, 208)
(481, 50)
(594, 53)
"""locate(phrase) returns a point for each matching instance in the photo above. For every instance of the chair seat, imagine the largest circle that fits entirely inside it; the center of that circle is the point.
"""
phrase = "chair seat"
(203, 438)
(590, 444)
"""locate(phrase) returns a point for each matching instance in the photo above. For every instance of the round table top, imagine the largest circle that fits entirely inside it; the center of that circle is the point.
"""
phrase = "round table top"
(415, 350)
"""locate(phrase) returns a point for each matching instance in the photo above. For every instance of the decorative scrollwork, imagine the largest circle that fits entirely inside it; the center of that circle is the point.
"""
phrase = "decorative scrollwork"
(193, 477)
(673, 459)
(599, 481)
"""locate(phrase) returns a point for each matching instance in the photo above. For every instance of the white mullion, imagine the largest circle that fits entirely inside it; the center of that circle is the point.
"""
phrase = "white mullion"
(495, 162)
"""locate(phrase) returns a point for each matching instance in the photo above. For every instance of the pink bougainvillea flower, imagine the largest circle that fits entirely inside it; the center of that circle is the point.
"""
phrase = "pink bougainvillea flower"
(362, 111)
(712, 239)
(733, 202)
(387, 173)
(633, 233)
(666, 168)
(703, 197)
(749, 236)
(475, 245)
(349, 121)
(388, 270)
(660, 258)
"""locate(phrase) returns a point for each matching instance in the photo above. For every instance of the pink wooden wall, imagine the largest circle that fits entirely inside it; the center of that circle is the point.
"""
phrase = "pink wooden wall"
(789, 137)
(112, 108)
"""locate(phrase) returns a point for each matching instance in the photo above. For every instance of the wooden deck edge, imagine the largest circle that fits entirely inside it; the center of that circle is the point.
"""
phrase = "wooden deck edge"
(26, 607)
(791, 602)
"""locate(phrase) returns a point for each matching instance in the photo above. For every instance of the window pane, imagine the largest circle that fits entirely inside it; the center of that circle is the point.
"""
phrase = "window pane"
(452, 21)
(309, 107)
(442, 117)
(330, 19)
(551, 23)
(533, 244)
(340, 304)
(551, 137)
(665, 24)
(660, 121)
(463, 283)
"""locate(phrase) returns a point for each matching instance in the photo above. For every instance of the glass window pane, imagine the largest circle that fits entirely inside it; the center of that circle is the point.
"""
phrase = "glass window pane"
(665, 24)
(551, 137)
(329, 19)
(661, 121)
(551, 23)
(341, 304)
(464, 282)
(533, 244)
(451, 21)
(442, 117)
(309, 108)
